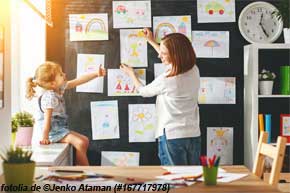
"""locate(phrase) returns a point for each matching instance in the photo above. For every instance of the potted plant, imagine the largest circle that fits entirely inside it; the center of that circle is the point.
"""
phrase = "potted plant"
(266, 82)
(18, 167)
(24, 132)
(283, 13)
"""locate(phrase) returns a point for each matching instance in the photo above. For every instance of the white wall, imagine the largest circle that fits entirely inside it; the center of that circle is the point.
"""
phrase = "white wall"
(5, 113)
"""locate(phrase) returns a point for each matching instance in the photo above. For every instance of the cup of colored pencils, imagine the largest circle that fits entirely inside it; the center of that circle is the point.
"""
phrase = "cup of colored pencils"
(210, 169)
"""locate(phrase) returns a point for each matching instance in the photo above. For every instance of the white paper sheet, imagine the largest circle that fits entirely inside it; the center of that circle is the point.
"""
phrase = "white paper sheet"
(229, 177)
(131, 14)
(286, 125)
(105, 120)
(214, 11)
(88, 63)
(142, 122)
(211, 44)
(133, 47)
(217, 90)
(225, 177)
(220, 143)
(186, 169)
(118, 158)
(172, 184)
(88, 27)
(120, 84)
(171, 24)
(160, 68)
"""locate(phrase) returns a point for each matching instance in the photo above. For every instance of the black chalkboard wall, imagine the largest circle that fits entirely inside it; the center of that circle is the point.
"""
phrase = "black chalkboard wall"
(61, 50)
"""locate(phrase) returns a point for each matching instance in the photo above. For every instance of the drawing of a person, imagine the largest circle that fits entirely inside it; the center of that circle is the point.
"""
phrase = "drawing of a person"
(119, 84)
(127, 89)
(219, 142)
(106, 123)
(134, 47)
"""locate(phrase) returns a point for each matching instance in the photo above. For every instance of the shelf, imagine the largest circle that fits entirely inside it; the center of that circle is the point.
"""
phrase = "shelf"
(270, 46)
(274, 96)
(252, 101)
(287, 144)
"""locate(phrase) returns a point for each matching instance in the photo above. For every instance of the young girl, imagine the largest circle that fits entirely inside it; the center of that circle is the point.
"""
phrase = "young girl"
(178, 129)
(52, 118)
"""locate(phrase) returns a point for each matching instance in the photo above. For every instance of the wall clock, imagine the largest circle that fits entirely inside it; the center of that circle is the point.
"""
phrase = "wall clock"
(257, 24)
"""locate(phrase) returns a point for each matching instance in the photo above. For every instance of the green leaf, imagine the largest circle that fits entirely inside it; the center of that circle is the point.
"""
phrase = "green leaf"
(17, 155)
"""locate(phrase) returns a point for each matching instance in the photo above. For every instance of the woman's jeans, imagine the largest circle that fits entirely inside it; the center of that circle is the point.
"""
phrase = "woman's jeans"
(182, 151)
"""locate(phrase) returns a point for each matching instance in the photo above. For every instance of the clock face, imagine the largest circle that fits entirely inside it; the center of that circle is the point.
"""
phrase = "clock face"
(258, 25)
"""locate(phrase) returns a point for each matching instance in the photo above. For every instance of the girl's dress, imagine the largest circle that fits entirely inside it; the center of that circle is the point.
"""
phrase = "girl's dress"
(59, 125)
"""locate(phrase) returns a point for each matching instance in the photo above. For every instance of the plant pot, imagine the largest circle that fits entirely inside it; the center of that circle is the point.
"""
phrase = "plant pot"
(266, 87)
(22, 173)
(23, 136)
(286, 32)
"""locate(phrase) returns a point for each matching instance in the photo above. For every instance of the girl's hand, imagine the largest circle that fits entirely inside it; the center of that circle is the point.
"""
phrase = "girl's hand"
(127, 69)
(44, 141)
(102, 71)
(148, 34)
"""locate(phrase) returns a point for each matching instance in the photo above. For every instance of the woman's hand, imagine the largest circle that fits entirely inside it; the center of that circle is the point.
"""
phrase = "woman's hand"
(148, 34)
(44, 141)
(102, 71)
(127, 69)
(130, 72)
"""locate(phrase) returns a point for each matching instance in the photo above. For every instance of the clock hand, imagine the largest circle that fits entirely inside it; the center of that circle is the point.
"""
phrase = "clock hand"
(264, 31)
(263, 26)
(261, 18)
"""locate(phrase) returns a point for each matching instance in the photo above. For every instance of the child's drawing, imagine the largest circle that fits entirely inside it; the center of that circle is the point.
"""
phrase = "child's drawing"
(88, 63)
(131, 14)
(213, 11)
(105, 120)
(120, 84)
(142, 122)
(217, 90)
(119, 158)
(211, 44)
(133, 48)
(285, 125)
(160, 68)
(220, 143)
(171, 24)
(87, 27)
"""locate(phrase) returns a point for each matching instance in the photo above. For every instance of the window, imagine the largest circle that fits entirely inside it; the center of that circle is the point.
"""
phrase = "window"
(28, 44)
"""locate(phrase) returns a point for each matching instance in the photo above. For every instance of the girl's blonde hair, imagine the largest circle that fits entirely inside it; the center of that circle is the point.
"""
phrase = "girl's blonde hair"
(45, 74)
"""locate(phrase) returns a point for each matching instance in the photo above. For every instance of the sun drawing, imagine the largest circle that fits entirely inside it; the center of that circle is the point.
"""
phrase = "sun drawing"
(142, 114)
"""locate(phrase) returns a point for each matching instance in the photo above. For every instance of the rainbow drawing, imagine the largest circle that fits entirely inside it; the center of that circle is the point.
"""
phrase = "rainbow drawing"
(96, 24)
(163, 29)
(165, 25)
(88, 27)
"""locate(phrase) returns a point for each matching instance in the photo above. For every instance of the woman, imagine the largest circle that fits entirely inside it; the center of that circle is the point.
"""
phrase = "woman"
(178, 129)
